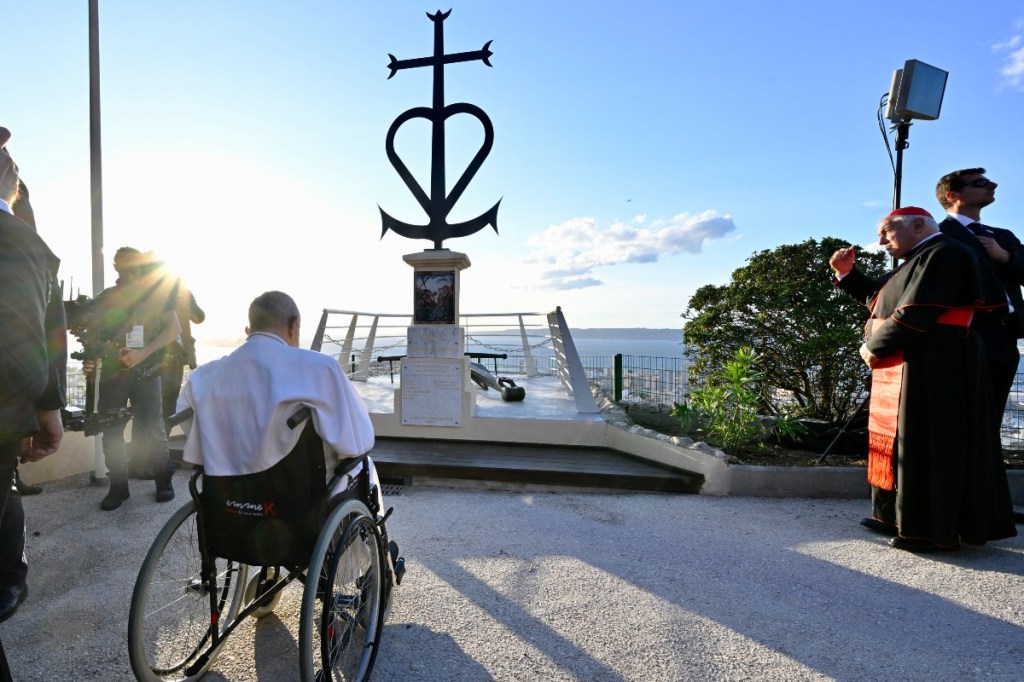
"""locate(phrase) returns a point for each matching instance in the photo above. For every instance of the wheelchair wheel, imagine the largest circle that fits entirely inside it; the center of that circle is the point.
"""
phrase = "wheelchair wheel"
(169, 622)
(259, 583)
(341, 619)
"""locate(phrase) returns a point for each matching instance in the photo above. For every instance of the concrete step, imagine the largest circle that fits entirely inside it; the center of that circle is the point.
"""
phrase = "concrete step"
(400, 460)
(599, 468)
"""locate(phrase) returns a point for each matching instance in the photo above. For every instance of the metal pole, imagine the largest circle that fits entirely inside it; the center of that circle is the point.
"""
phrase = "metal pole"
(96, 186)
(902, 135)
(617, 377)
(95, 161)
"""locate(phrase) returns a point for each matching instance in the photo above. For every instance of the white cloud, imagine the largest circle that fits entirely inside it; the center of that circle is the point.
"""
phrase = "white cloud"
(640, 219)
(1008, 45)
(567, 283)
(872, 204)
(565, 255)
(1012, 70)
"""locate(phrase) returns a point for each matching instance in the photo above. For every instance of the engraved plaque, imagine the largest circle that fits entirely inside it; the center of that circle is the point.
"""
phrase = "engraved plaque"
(431, 393)
(442, 341)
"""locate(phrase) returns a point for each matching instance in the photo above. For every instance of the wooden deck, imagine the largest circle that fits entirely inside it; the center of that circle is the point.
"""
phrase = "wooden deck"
(402, 461)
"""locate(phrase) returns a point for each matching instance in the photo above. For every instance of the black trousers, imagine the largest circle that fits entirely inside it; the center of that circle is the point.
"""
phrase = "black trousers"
(170, 387)
(1003, 370)
(117, 389)
(5, 670)
(13, 568)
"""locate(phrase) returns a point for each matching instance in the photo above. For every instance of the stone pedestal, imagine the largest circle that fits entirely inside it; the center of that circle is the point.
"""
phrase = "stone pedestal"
(436, 389)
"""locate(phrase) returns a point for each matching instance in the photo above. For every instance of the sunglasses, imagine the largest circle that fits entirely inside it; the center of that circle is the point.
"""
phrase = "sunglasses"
(980, 183)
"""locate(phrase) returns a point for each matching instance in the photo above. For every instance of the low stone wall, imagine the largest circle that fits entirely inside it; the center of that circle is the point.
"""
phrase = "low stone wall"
(77, 455)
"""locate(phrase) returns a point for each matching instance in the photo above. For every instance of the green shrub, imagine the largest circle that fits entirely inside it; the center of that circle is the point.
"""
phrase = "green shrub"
(806, 332)
(726, 407)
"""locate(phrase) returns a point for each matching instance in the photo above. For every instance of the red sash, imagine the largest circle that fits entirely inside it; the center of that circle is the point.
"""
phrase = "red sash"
(884, 408)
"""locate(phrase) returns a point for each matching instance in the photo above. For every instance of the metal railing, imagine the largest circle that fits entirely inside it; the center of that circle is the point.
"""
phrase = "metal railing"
(658, 381)
(368, 343)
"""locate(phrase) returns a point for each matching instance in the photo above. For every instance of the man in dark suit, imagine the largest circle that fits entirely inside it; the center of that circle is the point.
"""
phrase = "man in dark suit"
(33, 357)
(963, 194)
(22, 209)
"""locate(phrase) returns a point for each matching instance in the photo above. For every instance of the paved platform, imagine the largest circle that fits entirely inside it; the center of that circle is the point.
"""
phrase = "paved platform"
(438, 452)
(569, 586)
(527, 585)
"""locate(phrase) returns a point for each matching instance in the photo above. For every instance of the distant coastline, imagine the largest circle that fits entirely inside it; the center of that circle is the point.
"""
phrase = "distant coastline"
(642, 341)
(630, 333)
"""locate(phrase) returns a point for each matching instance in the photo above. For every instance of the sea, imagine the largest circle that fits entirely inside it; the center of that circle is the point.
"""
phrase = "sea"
(590, 342)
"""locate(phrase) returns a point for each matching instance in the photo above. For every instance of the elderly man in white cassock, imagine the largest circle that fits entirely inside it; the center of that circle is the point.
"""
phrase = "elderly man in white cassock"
(242, 401)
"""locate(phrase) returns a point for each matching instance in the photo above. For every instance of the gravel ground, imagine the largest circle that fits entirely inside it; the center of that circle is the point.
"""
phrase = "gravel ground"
(570, 586)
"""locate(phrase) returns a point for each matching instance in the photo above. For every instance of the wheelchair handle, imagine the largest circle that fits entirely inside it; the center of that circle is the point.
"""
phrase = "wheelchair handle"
(301, 415)
(179, 417)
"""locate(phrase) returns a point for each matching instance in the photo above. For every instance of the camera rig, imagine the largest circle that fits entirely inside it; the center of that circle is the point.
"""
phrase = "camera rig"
(83, 324)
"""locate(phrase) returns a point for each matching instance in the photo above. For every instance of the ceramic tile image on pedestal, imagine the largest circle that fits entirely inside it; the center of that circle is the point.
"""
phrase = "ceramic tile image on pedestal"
(434, 297)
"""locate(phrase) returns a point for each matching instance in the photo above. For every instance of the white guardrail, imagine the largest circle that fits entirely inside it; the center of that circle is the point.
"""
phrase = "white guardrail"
(367, 343)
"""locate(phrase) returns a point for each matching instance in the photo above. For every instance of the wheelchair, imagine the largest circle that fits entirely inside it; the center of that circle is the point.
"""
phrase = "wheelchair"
(229, 552)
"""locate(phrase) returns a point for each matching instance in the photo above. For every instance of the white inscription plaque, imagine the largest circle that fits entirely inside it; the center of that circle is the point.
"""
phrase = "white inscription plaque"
(431, 393)
(441, 341)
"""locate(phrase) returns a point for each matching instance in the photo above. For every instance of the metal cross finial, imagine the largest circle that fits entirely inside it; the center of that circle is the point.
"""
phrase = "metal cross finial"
(438, 205)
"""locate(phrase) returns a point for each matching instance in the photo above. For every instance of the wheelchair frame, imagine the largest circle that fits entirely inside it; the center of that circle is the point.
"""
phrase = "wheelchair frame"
(348, 583)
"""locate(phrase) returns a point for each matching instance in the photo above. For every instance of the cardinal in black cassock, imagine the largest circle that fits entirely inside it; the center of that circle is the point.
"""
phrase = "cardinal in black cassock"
(934, 462)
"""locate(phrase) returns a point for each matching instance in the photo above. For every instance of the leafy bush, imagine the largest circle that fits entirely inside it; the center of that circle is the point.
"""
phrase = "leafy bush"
(804, 331)
(726, 406)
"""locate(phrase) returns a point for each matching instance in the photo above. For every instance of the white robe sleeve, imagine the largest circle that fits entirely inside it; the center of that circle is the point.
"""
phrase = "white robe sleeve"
(342, 420)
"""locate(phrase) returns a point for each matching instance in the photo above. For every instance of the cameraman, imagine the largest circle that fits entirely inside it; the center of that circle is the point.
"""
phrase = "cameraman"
(135, 325)
(189, 313)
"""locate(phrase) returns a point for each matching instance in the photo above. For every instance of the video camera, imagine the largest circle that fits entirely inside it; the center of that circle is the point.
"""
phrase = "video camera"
(82, 323)
(96, 343)
(99, 342)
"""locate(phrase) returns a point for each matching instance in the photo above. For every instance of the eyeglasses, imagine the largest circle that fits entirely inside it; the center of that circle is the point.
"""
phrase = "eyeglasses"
(980, 183)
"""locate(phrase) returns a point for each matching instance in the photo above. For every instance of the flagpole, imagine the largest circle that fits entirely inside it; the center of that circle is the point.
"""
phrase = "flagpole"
(95, 160)
(99, 473)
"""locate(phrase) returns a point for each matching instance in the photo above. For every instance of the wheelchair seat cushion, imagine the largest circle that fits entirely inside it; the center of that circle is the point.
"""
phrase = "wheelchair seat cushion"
(273, 517)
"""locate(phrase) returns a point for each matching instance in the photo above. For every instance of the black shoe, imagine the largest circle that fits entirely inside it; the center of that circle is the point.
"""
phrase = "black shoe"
(24, 488)
(11, 598)
(397, 562)
(399, 570)
(876, 526)
(165, 494)
(114, 498)
(920, 546)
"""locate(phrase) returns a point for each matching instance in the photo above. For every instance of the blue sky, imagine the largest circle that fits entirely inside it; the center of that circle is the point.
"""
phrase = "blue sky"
(641, 149)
